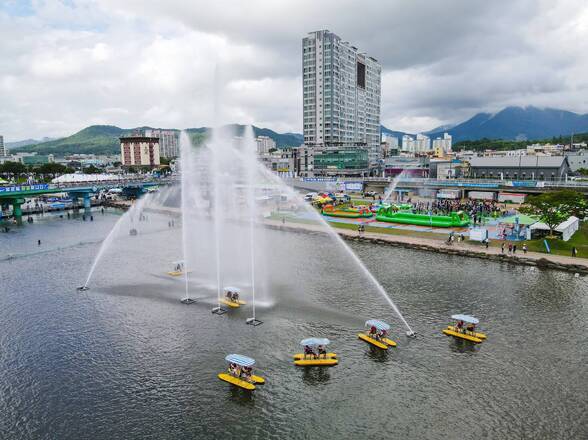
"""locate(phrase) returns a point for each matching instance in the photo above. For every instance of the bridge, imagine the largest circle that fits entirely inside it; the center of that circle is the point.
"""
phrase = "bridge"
(404, 184)
(16, 195)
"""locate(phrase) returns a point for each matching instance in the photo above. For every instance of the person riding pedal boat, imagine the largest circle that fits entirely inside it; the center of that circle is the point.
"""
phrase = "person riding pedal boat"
(459, 326)
(322, 351)
(373, 332)
(236, 296)
(229, 295)
(308, 353)
(471, 328)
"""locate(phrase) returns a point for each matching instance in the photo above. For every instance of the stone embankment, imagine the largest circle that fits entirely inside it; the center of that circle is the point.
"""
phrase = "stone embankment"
(544, 261)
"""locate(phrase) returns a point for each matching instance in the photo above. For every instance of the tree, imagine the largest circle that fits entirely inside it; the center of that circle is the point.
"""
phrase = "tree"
(92, 170)
(14, 169)
(552, 208)
(52, 169)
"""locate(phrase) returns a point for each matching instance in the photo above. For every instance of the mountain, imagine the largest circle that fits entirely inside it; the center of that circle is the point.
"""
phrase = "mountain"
(394, 133)
(17, 144)
(96, 139)
(518, 123)
(440, 129)
(104, 139)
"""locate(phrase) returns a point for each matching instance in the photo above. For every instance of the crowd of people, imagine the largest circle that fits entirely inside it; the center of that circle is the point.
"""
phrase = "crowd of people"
(476, 209)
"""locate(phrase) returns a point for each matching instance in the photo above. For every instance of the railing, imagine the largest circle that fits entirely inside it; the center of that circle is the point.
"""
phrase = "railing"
(479, 183)
(85, 184)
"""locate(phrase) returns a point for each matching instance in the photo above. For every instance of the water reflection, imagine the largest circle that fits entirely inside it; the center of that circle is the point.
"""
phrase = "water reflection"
(377, 354)
(316, 375)
(462, 346)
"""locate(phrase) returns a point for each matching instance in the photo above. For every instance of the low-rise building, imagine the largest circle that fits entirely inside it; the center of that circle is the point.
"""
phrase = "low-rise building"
(344, 161)
(520, 168)
(139, 151)
(578, 160)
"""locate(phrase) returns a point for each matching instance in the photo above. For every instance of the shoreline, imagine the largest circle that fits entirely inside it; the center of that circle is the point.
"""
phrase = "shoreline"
(540, 260)
(543, 261)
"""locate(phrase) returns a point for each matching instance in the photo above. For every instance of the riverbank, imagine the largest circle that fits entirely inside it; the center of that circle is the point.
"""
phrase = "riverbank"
(546, 261)
(424, 242)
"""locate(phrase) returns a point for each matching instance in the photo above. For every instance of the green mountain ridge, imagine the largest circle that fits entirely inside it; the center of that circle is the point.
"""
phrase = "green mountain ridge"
(104, 139)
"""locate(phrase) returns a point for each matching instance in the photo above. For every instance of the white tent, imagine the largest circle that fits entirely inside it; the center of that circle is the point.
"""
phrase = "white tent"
(73, 178)
(566, 228)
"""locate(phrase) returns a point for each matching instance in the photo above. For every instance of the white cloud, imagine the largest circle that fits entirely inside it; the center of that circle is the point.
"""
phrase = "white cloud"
(148, 62)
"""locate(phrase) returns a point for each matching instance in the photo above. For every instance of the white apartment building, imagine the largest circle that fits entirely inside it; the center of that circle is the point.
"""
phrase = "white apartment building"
(3, 151)
(139, 151)
(392, 141)
(421, 144)
(341, 93)
(443, 144)
(169, 141)
(264, 144)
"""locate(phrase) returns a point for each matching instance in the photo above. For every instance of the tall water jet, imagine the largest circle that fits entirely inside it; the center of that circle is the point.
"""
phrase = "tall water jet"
(186, 164)
(327, 227)
(216, 149)
(109, 240)
(390, 189)
(249, 150)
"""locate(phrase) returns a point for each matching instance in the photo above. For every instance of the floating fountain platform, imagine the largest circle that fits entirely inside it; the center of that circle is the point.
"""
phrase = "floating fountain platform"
(411, 334)
(187, 300)
(254, 322)
(82, 288)
(219, 311)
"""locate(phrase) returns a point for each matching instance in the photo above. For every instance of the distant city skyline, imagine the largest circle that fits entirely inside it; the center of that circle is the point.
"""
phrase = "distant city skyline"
(70, 64)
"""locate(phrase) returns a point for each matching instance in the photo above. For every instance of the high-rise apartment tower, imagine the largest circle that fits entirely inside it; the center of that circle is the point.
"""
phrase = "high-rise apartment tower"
(341, 92)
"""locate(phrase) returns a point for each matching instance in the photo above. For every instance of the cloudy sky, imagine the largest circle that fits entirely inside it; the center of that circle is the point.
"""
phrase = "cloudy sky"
(66, 64)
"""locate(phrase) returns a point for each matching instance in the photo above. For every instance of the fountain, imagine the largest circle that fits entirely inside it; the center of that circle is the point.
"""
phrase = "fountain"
(390, 189)
(109, 240)
(335, 236)
(186, 164)
(250, 151)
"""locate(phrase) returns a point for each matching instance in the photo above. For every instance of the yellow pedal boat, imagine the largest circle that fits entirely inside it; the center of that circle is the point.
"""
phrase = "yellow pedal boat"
(316, 362)
(299, 356)
(474, 334)
(258, 379)
(462, 336)
(372, 341)
(382, 328)
(232, 304)
(235, 381)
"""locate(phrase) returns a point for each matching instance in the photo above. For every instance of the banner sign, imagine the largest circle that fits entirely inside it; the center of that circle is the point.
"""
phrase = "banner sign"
(20, 188)
(463, 184)
(353, 186)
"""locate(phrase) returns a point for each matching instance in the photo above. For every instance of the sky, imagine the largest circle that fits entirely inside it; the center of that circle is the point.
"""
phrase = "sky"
(67, 64)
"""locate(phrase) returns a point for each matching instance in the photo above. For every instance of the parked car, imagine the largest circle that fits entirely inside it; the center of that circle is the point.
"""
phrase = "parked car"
(309, 197)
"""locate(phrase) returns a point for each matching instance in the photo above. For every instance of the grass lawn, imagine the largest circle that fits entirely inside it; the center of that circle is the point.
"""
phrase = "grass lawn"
(579, 240)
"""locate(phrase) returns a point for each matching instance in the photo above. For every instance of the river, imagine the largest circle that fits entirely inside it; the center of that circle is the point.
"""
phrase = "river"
(127, 360)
